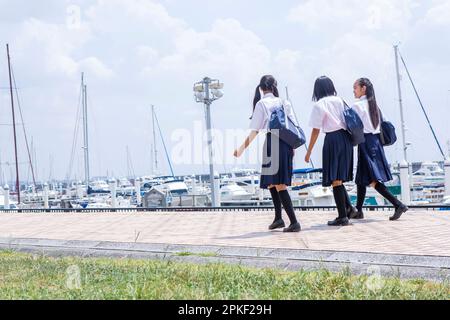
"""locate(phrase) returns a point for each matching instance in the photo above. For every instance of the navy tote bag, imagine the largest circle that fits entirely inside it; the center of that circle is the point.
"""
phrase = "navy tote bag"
(282, 126)
(354, 124)
(388, 136)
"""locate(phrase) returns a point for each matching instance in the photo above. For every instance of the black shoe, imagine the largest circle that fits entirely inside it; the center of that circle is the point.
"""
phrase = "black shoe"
(358, 215)
(339, 222)
(293, 228)
(398, 212)
(352, 213)
(277, 224)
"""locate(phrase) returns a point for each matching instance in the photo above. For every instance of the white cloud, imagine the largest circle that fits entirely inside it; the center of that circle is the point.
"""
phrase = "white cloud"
(96, 67)
(438, 15)
(332, 16)
(227, 49)
(121, 15)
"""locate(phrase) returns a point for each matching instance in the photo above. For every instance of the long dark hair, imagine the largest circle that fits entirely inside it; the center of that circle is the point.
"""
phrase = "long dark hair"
(374, 111)
(267, 83)
(323, 87)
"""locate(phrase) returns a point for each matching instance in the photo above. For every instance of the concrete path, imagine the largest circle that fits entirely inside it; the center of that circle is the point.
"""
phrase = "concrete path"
(417, 246)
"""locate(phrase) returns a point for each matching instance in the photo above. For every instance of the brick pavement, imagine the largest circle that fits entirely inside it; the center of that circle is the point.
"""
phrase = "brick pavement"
(424, 233)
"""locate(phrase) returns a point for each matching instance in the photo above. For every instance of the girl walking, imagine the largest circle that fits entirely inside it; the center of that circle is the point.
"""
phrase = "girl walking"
(373, 168)
(337, 154)
(277, 170)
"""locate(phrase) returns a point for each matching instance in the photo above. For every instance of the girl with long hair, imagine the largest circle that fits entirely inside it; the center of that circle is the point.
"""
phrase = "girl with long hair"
(373, 168)
(277, 169)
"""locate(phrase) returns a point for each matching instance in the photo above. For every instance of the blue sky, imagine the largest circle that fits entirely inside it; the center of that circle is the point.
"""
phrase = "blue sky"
(141, 52)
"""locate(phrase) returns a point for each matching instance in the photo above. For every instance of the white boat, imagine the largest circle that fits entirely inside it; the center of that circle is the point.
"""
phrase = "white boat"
(99, 186)
(307, 189)
(124, 187)
(428, 183)
(231, 192)
(12, 204)
(429, 174)
(173, 187)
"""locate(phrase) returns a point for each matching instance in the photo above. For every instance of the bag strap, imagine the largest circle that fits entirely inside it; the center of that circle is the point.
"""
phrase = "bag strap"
(297, 124)
(346, 106)
(381, 115)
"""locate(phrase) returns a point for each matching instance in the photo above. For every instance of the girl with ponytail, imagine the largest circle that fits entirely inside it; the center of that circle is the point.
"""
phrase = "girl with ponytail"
(373, 168)
(277, 169)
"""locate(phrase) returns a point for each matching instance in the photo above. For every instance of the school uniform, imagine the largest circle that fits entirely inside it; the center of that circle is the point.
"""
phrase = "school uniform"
(280, 159)
(372, 164)
(337, 155)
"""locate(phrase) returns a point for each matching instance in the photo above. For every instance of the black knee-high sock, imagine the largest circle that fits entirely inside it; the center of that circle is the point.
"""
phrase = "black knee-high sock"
(276, 202)
(287, 204)
(340, 199)
(361, 197)
(381, 188)
(348, 202)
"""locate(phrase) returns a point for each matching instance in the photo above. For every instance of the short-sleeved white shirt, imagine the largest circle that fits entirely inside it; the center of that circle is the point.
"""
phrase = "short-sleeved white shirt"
(328, 115)
(265, 107)
(361, 106)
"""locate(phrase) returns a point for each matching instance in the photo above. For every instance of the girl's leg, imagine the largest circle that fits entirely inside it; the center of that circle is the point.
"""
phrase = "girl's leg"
(400, 208)
(288, 207)
(278, 222)
(362, 190)
(340, 195)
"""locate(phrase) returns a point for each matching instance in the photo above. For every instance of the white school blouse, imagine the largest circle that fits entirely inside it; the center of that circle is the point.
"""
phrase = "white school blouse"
(265, 107)
(328, 115)
(361, 106)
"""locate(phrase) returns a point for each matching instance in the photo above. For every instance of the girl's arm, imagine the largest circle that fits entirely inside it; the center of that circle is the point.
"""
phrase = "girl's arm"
(314, 136)
(248, 141)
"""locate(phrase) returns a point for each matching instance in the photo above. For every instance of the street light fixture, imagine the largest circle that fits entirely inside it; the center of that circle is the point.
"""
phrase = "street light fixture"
(207, 91)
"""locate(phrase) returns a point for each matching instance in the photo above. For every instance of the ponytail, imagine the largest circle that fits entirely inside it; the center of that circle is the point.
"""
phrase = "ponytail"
(267, 83)
(374, 111)
(257, 97)
(275, 91)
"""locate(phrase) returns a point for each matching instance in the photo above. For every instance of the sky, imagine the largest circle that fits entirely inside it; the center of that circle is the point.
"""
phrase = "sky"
(138, 53)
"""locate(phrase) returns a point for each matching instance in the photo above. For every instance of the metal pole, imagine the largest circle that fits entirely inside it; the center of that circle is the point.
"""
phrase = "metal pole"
(85, 133)
(14, 125)
(405, 148)
(206, 83)
(154, 142)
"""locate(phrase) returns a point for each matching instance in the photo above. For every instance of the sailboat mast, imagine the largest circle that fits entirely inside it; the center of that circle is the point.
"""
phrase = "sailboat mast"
(14, 125)
(85, 132)
(400, 99)
(154, 143)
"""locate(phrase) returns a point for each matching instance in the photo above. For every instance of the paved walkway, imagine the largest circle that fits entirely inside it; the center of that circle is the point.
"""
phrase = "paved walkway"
(420, 238)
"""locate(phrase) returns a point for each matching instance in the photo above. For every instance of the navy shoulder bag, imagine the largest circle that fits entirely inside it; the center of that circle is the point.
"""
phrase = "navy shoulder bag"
(387, 135)
(354, 124)
(282, 126)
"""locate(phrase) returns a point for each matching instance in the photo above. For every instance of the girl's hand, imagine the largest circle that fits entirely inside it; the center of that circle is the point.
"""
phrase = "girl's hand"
(308, 157)
(238, 153)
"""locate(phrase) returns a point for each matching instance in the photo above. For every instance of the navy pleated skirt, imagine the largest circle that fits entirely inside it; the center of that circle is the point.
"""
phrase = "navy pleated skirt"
(278, 166)
(372, 163)
(337, 158)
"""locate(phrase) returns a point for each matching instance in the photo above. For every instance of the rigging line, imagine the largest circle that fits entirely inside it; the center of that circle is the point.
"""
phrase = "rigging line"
(23, 126)
(130, 165)
(306, 144)
(164, 144)
(421, 105)
(75, 137)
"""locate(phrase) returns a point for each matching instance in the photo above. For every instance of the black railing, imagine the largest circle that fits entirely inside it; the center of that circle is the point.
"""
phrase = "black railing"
(210, 209)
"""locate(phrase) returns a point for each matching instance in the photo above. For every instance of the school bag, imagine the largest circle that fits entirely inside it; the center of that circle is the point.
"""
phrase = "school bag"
(387, 132)
(283, 127)
(354, 124)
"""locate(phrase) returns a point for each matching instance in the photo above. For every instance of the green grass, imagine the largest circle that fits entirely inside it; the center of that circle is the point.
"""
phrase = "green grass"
(24, 276)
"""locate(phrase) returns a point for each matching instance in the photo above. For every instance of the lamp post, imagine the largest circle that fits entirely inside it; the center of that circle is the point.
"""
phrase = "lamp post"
(206, 92)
